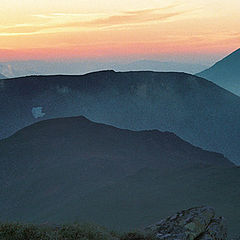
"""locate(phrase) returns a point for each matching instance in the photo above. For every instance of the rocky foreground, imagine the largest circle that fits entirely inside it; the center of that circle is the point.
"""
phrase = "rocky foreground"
(199, 223)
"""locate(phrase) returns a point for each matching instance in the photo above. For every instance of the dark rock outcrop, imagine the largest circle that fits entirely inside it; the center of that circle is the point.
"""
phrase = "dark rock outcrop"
(199, 223)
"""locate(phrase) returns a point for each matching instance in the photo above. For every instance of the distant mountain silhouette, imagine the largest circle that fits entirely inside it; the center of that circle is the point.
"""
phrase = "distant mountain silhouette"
(51, 168)
(151, 65)
(225, 73)
(195, 109)
(25, 68)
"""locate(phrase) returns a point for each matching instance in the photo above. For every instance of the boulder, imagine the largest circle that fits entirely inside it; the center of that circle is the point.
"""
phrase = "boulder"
(197, 223)
(216, 230)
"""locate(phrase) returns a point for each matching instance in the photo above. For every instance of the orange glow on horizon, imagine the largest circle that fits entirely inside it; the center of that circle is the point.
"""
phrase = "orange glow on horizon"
(111, 29)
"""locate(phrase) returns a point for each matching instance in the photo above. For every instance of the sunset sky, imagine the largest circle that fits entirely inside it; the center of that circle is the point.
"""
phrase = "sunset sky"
(118, 29)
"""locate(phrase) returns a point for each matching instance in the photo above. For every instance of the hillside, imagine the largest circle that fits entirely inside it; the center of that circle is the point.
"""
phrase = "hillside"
(150, 193)
(195, 109)
(226, 72)
(62, 170)
(207, 222)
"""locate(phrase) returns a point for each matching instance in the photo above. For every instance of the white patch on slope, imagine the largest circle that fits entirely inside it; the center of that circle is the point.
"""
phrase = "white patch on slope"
(37, 112)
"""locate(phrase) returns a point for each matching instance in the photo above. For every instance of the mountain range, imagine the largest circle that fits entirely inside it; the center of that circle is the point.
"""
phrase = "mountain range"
(25, 68)
(226, 72)
(73, 169)
(195, 109)
(158, 66)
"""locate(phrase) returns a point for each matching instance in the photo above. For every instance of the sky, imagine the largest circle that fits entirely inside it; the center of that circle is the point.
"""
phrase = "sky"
(188, 31)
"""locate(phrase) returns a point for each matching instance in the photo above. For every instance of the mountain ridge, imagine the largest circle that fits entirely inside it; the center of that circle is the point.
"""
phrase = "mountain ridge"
(193, 108)
(25, 68)
(60, 127)
(225, 72)
(70, 169)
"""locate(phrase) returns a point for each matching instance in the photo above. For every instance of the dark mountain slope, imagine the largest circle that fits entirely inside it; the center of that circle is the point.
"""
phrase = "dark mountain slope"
(226, 72)
(151, 194)
(50, 164)
(193, 108)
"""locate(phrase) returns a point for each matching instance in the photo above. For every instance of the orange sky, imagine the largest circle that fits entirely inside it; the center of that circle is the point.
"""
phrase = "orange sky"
(49, 29)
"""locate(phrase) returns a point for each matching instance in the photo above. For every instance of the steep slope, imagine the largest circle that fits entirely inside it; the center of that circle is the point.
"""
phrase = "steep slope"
(141, 198)
(225, 73)
(195, 109)
(51, 164)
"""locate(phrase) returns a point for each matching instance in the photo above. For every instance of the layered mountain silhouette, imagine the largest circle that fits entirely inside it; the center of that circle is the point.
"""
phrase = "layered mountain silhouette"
(225, 73)
(73, 169)
(153, 65)
(25, 68)
(195, 109)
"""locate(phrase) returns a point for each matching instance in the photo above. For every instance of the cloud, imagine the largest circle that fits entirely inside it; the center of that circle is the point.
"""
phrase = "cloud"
(59, 15)
(44, 16)
(132, 19)
(128, 18)
(50, 23)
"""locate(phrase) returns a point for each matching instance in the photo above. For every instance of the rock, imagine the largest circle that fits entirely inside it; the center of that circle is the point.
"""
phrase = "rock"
(217, 229)
(197, 223)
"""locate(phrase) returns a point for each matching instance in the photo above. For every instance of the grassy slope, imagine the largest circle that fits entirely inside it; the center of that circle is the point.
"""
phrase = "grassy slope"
(150, 195)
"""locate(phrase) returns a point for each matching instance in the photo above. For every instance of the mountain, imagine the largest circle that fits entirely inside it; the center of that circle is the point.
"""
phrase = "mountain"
(68, 169)
(225, 73)
(150, 65)
(141, 198)
(25, 68)
(195, 109)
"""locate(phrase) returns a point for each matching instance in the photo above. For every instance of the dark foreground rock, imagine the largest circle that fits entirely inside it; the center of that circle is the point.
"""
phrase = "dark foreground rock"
(198, 223)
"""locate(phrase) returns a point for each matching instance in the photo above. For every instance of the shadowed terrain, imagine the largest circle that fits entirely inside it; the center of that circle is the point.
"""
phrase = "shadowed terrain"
(195, 109)
(62, 170)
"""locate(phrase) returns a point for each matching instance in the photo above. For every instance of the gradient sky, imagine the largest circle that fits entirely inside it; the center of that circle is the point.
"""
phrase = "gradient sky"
(111, 29)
